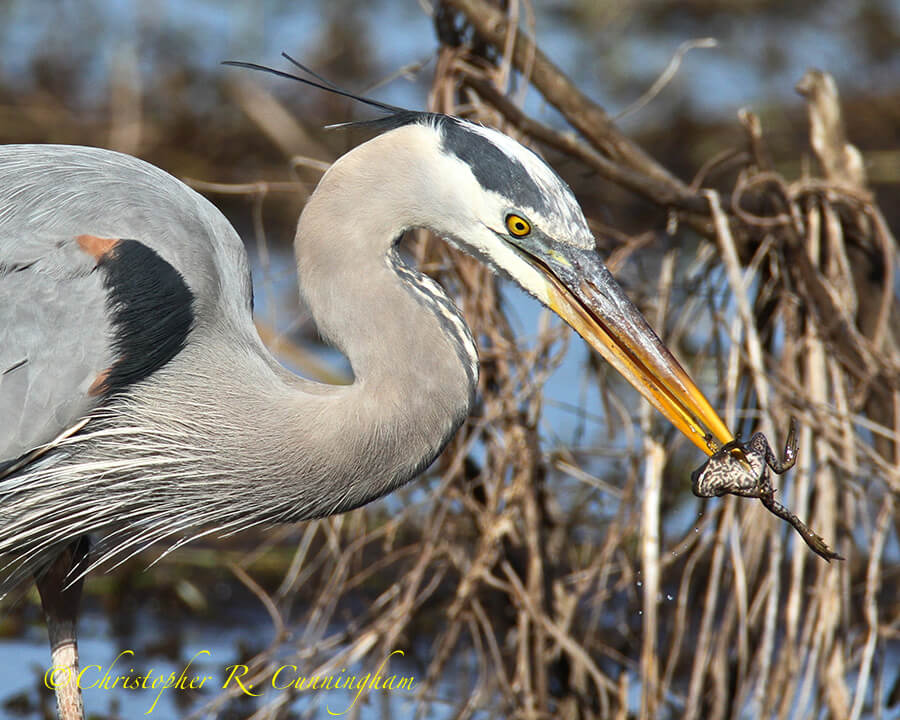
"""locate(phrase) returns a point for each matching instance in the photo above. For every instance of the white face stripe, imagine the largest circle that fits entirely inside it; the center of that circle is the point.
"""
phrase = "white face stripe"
(438, 188)
(565, 221)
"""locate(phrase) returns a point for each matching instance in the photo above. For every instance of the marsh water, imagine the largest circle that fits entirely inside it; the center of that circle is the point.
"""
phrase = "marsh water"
(190, 612)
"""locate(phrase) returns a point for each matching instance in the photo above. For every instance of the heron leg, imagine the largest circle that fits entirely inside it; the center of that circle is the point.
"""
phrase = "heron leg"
(60, 598)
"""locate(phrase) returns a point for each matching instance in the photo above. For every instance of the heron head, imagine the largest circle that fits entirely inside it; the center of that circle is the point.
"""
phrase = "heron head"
(499, 201)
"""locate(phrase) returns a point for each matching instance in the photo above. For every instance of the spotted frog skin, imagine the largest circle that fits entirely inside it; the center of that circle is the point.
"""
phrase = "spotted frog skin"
(739, 468)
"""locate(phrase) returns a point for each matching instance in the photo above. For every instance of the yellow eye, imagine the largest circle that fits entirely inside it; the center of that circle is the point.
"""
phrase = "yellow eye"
(517, 225)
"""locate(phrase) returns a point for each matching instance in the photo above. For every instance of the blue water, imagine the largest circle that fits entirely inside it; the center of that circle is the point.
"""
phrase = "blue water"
(167, 34)
(207, 660)
(740, 72)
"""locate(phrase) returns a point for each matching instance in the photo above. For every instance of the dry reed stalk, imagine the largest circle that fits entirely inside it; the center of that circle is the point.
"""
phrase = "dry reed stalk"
(827, 657)
(554, 609)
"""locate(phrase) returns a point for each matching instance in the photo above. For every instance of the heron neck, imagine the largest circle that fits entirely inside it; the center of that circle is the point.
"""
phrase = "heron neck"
(303, 449)
(412, 357)
(306, 449)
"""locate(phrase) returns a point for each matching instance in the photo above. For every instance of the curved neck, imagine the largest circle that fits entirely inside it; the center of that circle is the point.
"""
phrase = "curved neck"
(250, 442)
(224, 438)
(413, 358)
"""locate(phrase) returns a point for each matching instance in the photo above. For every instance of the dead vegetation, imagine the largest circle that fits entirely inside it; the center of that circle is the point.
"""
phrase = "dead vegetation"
(528, 606)
(535, 581)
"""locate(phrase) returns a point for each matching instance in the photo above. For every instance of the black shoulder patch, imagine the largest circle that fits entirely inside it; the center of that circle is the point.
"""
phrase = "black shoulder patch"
(493, 168)
(151, 308)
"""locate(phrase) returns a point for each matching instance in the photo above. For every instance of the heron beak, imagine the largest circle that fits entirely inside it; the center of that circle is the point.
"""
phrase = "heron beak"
(584, 293)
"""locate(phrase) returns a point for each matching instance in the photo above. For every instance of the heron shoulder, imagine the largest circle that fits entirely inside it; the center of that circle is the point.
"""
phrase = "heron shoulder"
(51, 194)
(106, 264)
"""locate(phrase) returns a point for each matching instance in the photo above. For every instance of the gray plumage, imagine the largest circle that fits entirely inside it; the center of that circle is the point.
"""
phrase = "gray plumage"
(178, 453)
(138, 404)
(126, 328)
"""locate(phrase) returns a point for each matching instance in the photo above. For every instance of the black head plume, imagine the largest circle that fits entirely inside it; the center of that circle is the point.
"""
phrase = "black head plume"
(323, 84)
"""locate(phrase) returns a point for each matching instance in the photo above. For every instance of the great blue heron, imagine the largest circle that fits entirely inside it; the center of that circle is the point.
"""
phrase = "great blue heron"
(140, 406)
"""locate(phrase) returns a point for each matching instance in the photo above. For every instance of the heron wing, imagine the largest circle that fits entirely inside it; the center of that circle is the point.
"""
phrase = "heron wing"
(106, 264)
(55, 337)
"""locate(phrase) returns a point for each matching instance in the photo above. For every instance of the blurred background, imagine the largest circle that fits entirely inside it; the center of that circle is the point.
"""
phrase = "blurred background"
(145, 78)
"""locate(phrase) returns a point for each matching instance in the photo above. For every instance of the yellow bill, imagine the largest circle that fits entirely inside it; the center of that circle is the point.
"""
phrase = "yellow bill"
(584, 293)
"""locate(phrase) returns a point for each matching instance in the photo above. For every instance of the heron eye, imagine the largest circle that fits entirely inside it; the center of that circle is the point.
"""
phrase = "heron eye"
(517, 225)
